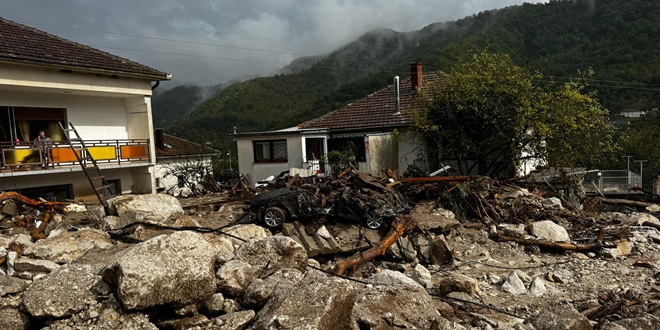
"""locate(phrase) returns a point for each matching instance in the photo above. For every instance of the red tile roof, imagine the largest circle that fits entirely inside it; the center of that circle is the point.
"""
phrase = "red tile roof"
(23, 44)
(178, 147)
(375, 110)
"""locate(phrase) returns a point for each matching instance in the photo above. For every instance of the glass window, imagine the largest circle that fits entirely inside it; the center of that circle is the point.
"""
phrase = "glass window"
(270, 151)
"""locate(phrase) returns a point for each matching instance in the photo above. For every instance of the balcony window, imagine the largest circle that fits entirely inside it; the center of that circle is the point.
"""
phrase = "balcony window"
(270, 151)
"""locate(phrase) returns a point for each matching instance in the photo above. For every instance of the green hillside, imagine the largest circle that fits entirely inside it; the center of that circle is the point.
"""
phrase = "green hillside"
(618, 39)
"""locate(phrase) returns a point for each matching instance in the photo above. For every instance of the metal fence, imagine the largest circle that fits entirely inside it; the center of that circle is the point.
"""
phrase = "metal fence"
(617, 181)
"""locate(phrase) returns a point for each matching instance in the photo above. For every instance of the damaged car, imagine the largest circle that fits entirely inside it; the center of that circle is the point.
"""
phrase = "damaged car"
(357, 198)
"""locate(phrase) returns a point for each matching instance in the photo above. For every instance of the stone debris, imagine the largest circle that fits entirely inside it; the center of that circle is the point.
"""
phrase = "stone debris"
(154, 264)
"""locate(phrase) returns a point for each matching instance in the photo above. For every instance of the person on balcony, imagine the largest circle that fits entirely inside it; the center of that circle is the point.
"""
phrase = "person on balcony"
(43, 139)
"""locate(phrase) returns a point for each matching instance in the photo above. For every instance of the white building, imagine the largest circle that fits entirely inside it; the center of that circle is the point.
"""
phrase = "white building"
(47, 81)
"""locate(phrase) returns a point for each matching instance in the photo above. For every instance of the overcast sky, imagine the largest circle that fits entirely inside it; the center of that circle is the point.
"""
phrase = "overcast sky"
(223, 39)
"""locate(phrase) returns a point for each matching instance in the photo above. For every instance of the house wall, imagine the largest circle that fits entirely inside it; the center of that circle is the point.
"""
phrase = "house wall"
(100, 107)
(383, 153)
(260, 171)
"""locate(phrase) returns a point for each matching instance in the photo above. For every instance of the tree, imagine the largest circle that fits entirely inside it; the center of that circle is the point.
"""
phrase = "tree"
(489, 115)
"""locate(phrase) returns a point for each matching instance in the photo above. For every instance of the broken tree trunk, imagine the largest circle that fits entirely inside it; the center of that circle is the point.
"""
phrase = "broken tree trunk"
(401, 226)
(16, 196)
(594, 246)
(624, 202)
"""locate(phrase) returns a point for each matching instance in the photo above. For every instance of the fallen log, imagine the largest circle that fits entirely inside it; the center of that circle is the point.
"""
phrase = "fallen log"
(46, 204)
(586, 247)
(401, 226)
(624, 202)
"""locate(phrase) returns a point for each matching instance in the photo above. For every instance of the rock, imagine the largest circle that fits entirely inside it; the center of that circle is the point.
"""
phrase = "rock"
(112, 316)
(549, 231)
(403, 249)
(389, 277)
(64, 292)
(260, 290)
(230, 306)
(415, 309)
(422, 276)
(222, 247)
(637, 219)
(323, 232)
(537, 287)
(434, 220)
(11, 260)
(272, 253)
(152, 208)
(560, 318)
(644, 322)
(143, 233)
(623, 248)
(55, 232)
(653, 208)
(24, 240)
(513, 230)
(35, 265)
(186, 221)
(422, 244)
(446, 282)
(69, 246)
(440, 252)
(214, 304)
(513, 284)
(234, 321)
(169, 269)
(552, 203)
(322, 302)
(234, 277)
(9, 285)
(245, 233)
(13, 319)
(523, 276)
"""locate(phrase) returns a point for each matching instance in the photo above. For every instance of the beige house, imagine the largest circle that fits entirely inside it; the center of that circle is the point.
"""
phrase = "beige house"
(47, 81)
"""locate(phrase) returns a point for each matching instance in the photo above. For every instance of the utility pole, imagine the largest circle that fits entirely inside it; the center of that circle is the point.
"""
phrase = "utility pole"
(628, 172)
(641, 171)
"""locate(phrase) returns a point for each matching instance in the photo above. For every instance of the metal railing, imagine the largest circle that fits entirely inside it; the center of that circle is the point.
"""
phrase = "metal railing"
(617, 181)
(35, 155)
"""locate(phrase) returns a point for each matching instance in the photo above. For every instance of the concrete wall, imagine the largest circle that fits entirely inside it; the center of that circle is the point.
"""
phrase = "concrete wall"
(260, 171)
(101, 107)
(383, 152)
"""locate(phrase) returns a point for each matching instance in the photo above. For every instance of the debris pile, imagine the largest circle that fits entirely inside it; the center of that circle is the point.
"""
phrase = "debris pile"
(481, 255)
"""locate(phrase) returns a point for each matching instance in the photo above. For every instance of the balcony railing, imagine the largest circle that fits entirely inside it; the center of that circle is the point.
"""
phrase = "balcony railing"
(52, 154)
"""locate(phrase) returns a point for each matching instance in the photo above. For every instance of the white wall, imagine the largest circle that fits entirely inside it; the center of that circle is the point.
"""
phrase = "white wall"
(100, 107)
(164, 165)
(260, 171)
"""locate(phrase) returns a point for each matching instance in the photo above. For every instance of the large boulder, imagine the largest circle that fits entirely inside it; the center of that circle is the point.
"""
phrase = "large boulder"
(321, 302)
(64, 292)
(241, 233)
(560, 318)
(13, 319)
(69, 246)
(260, 290)
(549, 231)
(415, 309)
(9, 285)
(151, 208)
(256, 258)
(169, 269)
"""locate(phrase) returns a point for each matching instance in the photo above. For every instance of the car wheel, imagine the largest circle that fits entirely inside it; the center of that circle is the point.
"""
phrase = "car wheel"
(373, 221)
(274, 217)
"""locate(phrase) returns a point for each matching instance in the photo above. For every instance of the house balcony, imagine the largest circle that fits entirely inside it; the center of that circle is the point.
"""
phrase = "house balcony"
(28, 158)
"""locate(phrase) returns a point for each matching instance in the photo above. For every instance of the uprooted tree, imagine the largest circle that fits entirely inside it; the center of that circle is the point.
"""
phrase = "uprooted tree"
(489, 116)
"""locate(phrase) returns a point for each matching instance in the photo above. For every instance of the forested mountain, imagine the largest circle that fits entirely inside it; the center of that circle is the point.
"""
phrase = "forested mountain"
(617, 39)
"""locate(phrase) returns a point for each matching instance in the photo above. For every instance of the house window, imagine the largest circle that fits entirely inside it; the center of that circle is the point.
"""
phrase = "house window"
(270, 151)
(114, 188)
(59, 193)
(314, 149)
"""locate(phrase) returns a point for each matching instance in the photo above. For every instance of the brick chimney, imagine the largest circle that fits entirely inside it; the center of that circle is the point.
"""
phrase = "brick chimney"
(415, 75)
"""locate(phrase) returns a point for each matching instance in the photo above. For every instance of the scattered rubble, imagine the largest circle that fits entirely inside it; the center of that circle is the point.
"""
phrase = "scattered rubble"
(471, 254)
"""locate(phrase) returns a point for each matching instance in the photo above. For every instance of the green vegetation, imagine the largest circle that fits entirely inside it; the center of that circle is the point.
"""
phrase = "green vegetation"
(489, 115)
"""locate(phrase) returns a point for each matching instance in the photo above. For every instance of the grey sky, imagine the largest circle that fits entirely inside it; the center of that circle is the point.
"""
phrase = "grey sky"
(282, 29)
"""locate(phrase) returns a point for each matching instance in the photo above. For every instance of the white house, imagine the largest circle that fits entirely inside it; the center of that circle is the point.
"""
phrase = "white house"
(47, 81)
(365, 127)
(632, 113)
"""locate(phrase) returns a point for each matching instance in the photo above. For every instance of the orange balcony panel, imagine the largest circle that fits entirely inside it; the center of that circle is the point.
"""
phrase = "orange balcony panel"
(63, 155)
(22, 156)
(103, 153)
(128, 152)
